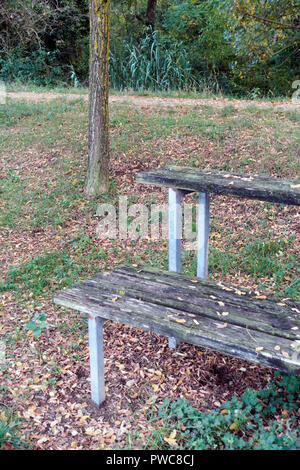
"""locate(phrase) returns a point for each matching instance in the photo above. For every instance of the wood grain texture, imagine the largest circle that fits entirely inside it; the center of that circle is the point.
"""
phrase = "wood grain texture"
(244, 186)
(196, 311)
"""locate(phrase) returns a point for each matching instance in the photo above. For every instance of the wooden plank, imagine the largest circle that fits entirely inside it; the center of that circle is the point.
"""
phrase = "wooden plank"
(201, 330)
(226, 338)
(206, 285)
(245, 186)
(203, 297)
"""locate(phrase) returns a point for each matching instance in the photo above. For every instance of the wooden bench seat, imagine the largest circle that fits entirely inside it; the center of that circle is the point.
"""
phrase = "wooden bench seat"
(234, 321)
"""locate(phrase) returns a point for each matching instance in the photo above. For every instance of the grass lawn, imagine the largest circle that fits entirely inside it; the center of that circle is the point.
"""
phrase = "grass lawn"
(48, 240)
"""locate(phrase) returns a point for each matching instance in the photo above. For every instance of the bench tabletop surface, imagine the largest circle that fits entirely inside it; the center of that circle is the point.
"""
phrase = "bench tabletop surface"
(230, 320)
(246, 186)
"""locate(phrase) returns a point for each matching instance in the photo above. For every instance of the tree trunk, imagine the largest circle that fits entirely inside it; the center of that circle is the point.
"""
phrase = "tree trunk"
(150, 13)
(98, 140)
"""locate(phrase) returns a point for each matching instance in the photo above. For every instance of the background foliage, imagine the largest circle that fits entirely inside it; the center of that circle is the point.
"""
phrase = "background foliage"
(239, 47)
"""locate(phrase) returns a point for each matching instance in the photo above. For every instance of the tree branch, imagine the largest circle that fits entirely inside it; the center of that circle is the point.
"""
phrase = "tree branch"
(273, 23)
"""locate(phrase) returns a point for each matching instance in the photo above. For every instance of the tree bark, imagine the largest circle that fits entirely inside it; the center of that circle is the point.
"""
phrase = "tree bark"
(98, 139)
(150, 13)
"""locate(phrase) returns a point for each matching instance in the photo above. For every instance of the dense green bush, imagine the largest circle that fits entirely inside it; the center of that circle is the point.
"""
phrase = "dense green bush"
(201, 28)
(241, 48)
(38, 67)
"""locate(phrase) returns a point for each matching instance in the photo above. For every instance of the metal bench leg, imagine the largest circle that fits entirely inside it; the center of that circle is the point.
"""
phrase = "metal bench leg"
(203, 234)
(96, 359)
(175, 231)
(172, 342)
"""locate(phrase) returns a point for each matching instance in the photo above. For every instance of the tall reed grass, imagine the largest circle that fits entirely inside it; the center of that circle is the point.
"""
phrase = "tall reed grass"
(154, 63)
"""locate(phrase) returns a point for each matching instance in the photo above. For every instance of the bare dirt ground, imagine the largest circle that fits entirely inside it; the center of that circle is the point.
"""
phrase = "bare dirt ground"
(218, 102)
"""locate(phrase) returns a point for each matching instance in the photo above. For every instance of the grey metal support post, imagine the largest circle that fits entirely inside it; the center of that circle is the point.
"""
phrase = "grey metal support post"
(203, 234)
(175, 231)
(96, 359)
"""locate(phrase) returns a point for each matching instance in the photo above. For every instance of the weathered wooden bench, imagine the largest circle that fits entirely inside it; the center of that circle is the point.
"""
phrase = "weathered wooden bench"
(198, 311)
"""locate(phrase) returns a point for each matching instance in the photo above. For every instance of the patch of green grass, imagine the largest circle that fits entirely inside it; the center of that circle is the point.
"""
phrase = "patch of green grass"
(53, 207)
(12, 192)
(15, 110)
(10, 434)
(258, 111)
(293, 115)
(41, 273)
(257, 258)
(28, 202)
(261, 259)
(66, 121)
(28, 208)
(242, 122)
(54, 270)
(228, 110)
(163, 123)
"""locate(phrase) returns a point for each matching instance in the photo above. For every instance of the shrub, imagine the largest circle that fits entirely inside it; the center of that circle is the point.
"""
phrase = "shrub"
(38, 67)
(248, 422)
(152, 63)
